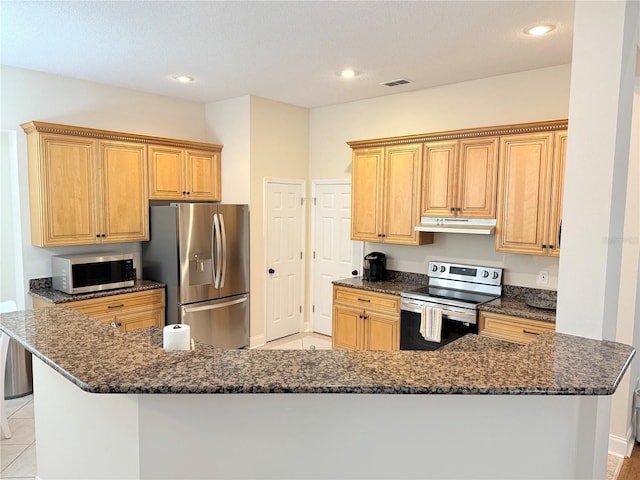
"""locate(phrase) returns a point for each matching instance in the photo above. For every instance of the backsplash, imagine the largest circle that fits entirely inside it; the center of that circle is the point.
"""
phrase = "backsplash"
(523, 294)
(526, 294)
(40, 283)
(407, 277)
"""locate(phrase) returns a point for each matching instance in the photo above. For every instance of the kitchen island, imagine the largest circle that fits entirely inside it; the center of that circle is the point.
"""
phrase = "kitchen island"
(390, 414)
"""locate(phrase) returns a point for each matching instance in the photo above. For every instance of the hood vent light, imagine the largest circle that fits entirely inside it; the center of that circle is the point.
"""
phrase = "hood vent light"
(394, 83)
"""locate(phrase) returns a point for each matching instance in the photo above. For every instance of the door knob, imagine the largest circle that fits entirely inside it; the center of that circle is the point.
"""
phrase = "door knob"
(271, 271)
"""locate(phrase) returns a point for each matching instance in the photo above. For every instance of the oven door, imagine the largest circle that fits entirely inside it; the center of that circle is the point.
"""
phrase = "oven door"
(456, 322)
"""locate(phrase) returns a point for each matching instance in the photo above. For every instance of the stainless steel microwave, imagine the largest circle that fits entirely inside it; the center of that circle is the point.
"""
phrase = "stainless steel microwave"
(82, 273)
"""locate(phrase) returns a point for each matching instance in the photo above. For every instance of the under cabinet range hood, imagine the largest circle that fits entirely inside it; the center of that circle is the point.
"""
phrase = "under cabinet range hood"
(476, 226)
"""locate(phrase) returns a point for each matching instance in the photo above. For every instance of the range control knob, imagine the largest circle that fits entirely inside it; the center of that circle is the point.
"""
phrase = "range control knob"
(485, 274)
(434, 268)
(495, 275)
(443, 269)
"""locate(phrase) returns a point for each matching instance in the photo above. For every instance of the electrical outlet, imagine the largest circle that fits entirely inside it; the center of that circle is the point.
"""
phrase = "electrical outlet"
(543, 277)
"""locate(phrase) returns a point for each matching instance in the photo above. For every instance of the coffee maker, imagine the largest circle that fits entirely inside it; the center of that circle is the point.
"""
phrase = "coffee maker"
(374, 268)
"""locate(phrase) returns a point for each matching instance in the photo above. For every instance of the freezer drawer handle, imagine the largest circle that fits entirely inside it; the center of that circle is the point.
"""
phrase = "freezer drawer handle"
(214, 306)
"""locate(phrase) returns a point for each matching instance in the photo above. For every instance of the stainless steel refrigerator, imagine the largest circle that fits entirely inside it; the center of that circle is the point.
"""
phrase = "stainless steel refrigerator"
(201, 252)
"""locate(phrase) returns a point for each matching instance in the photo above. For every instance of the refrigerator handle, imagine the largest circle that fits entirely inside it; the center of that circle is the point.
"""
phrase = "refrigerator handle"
(215, 306)
(215, 250)
(223, 274)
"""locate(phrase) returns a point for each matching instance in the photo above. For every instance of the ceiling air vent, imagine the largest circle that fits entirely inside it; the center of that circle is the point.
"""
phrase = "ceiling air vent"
(394, 83)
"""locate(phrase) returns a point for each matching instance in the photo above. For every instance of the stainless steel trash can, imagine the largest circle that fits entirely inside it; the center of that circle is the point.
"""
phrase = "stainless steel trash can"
(18, 377)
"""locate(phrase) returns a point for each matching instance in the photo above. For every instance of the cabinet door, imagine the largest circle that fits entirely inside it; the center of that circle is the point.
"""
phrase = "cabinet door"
(366, 193)
(557, 188)
(348, 328)
(125, 216)
(523, 193)
(63, 191)
(144, 319)
(439, 179)
(202, 171)
(477, 178)
(382, 332)
(166, 173)
(401, 194)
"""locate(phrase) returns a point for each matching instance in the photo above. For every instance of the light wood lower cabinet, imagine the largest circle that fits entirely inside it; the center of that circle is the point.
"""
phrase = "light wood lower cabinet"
(127, 311)
(365, 320)
(512, 329)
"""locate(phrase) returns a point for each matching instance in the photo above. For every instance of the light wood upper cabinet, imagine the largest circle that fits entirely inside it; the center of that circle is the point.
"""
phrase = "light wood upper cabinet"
(459, 178)
(203, 175)
(62, 190)
(180, 174)
(124, 196)
(557, 188)
(439, 179)
(84, 191)
(530, 193)
(385, 195)
(90, 186)
(366, 194)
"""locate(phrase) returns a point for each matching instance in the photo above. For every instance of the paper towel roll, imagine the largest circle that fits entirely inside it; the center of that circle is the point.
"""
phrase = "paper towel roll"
(176, 337)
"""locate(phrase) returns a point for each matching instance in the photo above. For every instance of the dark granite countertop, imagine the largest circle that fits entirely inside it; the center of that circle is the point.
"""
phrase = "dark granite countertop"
(515, 302)
(42, 288)
(518, 308)
(391, 287)
(100, 359)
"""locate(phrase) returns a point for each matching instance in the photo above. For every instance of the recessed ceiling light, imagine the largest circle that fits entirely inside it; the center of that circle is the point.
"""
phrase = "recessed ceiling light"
(348, 73)
(539, 30)
(183, 78)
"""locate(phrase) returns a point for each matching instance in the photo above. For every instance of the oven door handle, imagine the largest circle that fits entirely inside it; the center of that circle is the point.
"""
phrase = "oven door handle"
(456, 314)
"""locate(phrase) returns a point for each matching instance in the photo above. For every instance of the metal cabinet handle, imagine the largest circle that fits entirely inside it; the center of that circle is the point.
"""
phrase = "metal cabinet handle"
(116, 306)
(530, 333)
(364, 300)
(271, 271)
(354, 272)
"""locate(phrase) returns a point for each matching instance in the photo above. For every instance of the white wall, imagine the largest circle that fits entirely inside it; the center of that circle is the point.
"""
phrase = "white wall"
(28, 95)
(228, 123)
(11, 281)
(279, 149)
(517, 98)
(628, 322)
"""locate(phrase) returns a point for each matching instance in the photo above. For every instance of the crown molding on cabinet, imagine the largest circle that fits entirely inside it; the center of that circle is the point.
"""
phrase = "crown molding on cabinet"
(54, 128)
(533, 127)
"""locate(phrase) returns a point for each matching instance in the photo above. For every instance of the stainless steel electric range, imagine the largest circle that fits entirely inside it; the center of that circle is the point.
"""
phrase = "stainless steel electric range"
(456, 290)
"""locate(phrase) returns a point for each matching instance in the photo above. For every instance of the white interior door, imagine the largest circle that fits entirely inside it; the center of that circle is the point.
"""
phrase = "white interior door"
(284, 247)
(335, 255)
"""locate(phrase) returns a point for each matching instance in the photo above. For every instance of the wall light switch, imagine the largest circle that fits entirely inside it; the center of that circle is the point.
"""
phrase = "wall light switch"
(543, 277)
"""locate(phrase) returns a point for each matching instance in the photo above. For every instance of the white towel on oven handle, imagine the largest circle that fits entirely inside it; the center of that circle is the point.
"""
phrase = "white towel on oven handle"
(433, 325)
(425, 316)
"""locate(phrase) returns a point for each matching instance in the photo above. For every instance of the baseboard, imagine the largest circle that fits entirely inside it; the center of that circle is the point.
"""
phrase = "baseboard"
(621, 447)
(257, 341)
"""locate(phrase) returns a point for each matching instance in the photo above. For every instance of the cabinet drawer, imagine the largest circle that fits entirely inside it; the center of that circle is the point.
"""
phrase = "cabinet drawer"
(513, 329)
(370, 300)
(115, 304)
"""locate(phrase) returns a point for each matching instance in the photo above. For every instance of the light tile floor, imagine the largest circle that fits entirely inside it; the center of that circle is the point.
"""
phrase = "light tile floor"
(18, 453)
(300, 341)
